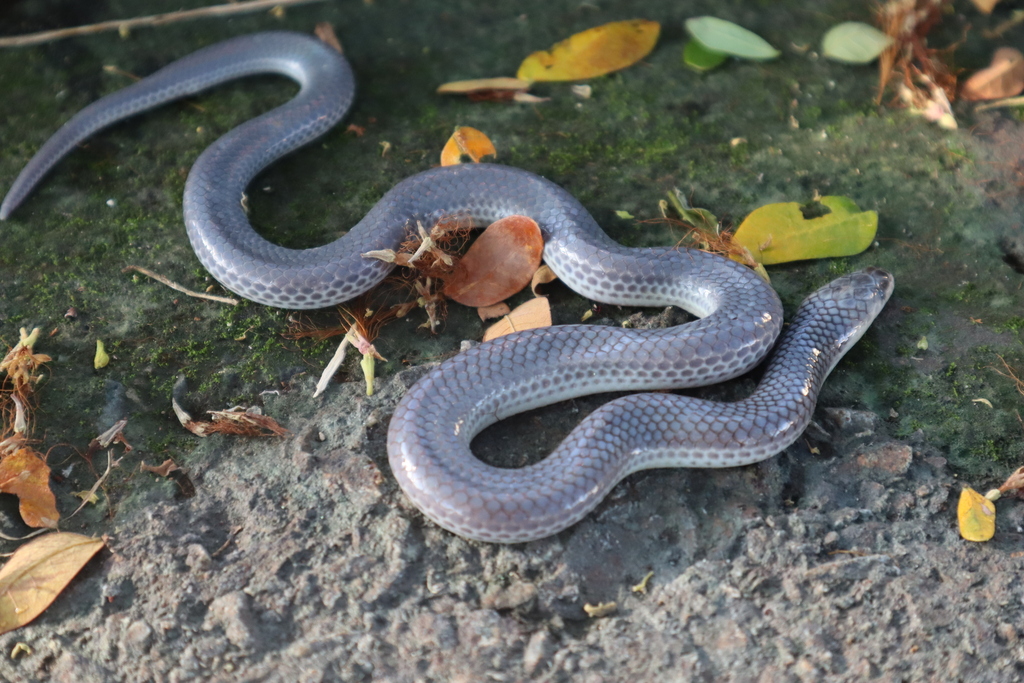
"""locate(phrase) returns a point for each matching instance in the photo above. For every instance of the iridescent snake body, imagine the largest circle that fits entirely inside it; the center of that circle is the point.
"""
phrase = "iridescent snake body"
(431, 430)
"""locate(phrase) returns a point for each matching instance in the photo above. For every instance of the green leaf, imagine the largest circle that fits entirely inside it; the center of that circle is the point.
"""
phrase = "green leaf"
(702, 219)
(624, 214)
(854, 42)
(700, 58)
(779, 233)
(719, 35)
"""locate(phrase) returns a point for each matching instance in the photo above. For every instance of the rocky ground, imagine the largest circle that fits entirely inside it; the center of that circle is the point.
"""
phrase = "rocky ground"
(298, 559)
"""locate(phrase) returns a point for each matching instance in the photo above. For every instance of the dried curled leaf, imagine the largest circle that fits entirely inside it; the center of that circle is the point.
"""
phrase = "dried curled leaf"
(594, 52)
(467, 144)
(37, 572)
(27, 476)
(976, 515)
(530, 315)
(499, 264)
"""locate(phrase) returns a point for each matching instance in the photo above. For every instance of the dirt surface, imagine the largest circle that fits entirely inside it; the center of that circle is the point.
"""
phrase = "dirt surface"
(298, 559)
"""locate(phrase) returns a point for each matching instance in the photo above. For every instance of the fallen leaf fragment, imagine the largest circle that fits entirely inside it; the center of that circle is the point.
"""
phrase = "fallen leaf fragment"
(26, 475)
(854, 42)
(642, 586)
(486, 88)
(719, 35)
(101, 359)
(115, 434)
(532, 314)
(985, 6)
(542, 276)
(467, 143)
(500, 263)
(594, 52)
(87, 496)
(324, 30)
(21, 363)
(495, 311)
(1004, 77)
(1014, 482)
(237, 421)
(700, 58)
(162, 470)
(976, 515)
(38, 571)
(779, 233)
(602, 609)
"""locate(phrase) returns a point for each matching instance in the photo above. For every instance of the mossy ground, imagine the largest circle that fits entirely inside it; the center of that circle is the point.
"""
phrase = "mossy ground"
(808, 125)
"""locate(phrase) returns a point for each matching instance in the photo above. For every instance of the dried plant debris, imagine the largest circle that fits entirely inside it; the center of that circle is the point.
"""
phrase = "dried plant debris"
(237, 421)
(168, 469)
(926, 84)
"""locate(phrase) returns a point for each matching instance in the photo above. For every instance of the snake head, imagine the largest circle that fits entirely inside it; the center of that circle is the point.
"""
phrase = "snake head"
(850, 304)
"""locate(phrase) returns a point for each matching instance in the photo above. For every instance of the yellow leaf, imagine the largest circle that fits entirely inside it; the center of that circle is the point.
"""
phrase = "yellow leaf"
(37, 572)
(779, 233)
(467, 143)
(87, 496)
(594, 52)
(101, 358)
(977, 516)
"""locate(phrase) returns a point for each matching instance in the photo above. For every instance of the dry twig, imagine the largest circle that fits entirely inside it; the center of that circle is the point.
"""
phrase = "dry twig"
(174, 285)
(151, 20)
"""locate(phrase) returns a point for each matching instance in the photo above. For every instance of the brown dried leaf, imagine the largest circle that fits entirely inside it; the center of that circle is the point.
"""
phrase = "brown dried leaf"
(325, 32)
(534, 313)
(1014, 482)
(495, 311)
(26, 475)
(37, 572)
(236, 422)
(1004, 77)
(113, 435)
(500, 263)
(162, 470)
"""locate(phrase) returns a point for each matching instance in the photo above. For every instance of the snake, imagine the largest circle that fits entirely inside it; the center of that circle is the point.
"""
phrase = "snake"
(429, 438)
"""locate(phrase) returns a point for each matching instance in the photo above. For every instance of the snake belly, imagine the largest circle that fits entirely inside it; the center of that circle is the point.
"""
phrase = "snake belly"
(429, 436)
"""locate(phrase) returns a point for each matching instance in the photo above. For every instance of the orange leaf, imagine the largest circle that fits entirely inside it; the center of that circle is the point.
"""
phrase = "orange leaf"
(1003, 78)
(499, 264)
(534, 313)
(594, 52)
(37, 572)
(466, 143)
(24, 474)
(976, 515)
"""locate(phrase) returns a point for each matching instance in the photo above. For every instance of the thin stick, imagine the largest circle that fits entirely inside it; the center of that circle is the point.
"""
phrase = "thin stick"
(174, 285)
(111, 464)
(152, 20)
